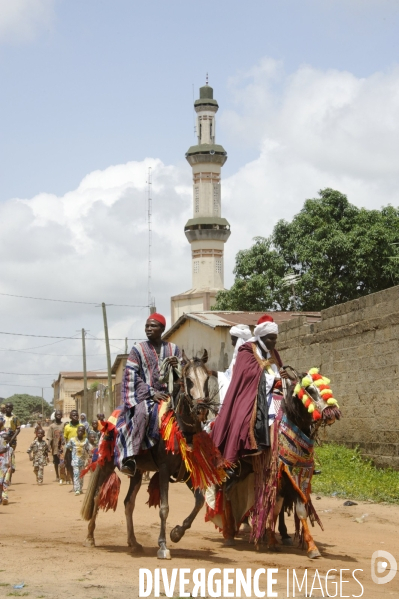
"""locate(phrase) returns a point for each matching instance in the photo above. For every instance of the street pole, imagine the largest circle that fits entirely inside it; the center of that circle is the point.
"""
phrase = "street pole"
(125, 345)
(110, 400)
(86, 407)
(42, 407)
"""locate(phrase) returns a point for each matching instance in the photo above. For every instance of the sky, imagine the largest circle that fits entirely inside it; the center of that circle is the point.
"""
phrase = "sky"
(94, 93)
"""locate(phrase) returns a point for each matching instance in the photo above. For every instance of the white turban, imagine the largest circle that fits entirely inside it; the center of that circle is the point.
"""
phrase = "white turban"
(243, 334)
(242, 331)
(262, 329)
(266, 328)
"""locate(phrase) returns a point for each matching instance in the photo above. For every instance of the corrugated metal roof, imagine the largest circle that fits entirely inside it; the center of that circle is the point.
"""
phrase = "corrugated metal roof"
(215, 319)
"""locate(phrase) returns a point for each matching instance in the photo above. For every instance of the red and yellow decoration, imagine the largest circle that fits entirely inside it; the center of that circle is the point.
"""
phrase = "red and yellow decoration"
(204, 462)
(323, 385)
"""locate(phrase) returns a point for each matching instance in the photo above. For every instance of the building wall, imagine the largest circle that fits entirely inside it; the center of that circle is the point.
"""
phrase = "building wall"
(194, 337)
(356, 345)
(63, 391)
(185, 303)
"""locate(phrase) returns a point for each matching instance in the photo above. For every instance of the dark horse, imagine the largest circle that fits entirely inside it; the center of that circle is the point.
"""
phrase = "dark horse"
(190, 400)
(292, 451)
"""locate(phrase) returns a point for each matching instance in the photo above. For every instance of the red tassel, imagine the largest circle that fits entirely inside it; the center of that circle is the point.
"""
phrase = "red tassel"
(154, 491)
(316, 415)
(109, 493)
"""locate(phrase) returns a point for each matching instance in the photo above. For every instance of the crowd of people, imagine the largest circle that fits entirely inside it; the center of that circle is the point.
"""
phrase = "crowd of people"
(72, 446)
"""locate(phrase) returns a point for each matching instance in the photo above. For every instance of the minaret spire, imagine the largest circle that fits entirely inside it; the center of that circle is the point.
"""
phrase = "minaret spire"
(207, 231)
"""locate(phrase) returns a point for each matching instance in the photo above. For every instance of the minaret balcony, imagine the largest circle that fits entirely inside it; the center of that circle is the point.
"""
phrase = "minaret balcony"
(207, 227)
(206, 153)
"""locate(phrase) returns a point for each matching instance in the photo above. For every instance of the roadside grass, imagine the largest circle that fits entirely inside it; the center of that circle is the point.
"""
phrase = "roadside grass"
(346, 474)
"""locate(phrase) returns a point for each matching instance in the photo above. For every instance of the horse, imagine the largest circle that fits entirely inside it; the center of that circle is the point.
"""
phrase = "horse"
(305, 406)
(189, 404)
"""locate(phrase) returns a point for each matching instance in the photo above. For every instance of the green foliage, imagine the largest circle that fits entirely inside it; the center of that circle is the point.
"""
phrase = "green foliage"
(94, 386)
(28, 407)
(346, 474)
(339, 251)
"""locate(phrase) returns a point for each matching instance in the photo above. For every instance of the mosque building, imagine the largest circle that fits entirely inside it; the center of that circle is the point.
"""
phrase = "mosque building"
(207, 231)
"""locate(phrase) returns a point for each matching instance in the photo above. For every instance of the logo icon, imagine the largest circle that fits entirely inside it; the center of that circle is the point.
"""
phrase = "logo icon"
(382, 561)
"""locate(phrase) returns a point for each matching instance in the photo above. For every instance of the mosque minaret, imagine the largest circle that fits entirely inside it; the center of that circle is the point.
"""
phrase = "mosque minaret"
(207, 231)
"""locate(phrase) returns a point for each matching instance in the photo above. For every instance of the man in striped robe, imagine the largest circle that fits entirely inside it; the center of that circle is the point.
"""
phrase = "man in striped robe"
(142, 391)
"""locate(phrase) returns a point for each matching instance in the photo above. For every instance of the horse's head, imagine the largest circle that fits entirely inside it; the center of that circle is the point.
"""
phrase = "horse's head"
(195, 383)
(311, 401)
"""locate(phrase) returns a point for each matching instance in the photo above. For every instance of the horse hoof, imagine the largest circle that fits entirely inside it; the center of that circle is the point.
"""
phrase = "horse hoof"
(274, 548)
(176, 533)
(89, 543)
(288, 542)
(228, 543)
(314, 553)
(163, 554)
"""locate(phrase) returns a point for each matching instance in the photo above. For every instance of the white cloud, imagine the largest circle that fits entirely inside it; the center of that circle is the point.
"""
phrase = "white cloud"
(312, 128)
(21, 20)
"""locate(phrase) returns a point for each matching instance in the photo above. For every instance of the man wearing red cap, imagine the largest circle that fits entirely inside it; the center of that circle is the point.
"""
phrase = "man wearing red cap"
(242, 427)
(142, 391)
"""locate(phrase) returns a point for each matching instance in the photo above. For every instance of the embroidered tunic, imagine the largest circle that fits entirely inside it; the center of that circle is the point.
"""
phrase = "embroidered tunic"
(137, 424)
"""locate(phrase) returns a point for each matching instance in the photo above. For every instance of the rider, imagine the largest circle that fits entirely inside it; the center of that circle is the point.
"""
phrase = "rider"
(239, 333)
(142, 391)
(242, 427)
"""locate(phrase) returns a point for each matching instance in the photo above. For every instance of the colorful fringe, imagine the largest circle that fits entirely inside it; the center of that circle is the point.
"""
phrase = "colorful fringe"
(265, 468)
(154, 491)
(109, 493)
(105, 450)
(203, 461)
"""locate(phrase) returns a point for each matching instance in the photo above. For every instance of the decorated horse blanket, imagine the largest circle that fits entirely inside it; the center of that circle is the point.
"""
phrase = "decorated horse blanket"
(296, 457)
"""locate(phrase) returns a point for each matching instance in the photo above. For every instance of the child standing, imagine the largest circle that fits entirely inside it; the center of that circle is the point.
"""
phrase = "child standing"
(80, 449)
(38, 454)
(6, 461)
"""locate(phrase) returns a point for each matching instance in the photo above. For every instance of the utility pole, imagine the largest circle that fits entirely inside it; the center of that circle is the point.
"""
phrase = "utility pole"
(85, 402)
(125, 345)
(42, 407)
(110, 399)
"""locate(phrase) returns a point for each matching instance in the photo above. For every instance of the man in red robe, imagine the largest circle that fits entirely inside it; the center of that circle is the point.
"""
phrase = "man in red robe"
(242, 426)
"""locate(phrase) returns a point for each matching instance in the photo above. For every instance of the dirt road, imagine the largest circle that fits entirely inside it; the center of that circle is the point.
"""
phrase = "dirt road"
(42, 534)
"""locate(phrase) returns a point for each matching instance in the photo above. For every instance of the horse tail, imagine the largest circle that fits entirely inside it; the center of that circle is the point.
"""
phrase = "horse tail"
(88, 502)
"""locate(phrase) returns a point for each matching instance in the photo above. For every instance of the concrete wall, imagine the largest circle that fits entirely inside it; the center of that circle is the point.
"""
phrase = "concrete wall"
(194, 337)
(356, 345)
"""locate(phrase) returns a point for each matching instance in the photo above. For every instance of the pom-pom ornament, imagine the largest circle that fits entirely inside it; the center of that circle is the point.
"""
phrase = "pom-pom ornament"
(313, 377)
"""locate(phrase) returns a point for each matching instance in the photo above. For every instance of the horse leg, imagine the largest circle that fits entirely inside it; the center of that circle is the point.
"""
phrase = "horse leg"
(312, 550)
(89, 541)
(178, 531)
(229, 527)
(130, 502)
(271, 535)
(282, 528)
(163, 552)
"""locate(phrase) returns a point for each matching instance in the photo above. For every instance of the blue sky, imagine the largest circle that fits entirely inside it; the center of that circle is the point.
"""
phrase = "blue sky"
(93, 93)
(106, 82)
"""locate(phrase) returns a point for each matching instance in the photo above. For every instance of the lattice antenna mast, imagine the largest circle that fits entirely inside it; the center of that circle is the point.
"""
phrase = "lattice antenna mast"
(149, 220)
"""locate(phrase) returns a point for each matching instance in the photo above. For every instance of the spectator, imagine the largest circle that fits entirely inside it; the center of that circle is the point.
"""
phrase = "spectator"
(38, 454)
(83, 422)
(80, 452)
(94, 429)
(70, 431)
(54, 437)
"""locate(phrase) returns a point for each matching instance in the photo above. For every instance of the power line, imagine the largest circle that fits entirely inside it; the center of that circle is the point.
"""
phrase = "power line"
(31, 373)
(97, 304)
(23, 351)
(59, 337)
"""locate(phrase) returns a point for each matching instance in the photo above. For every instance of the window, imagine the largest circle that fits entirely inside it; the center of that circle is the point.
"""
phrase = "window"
(196, 266)
(210, 129)
(218, 266)
(196, 199)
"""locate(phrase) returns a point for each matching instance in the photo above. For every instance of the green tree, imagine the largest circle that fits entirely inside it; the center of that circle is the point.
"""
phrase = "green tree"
(28, 407)
(339, 252)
